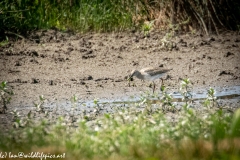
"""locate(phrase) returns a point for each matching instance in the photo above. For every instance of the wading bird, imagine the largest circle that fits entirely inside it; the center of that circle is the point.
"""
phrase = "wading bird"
(149, 74)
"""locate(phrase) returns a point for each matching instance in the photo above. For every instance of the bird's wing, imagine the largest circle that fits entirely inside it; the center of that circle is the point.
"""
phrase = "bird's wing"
(154, 71)
(150, 69)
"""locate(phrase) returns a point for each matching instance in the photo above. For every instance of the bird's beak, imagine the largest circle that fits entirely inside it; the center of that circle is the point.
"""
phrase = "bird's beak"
(130, 78)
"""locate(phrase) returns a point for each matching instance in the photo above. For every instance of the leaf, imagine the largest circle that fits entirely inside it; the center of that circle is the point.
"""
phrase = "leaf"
(41, 98)
(4, 83)
(162, 88)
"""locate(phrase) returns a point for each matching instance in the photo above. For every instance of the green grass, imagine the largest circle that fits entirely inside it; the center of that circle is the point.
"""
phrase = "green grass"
(18, 17)
(157, 132)
(82, 16)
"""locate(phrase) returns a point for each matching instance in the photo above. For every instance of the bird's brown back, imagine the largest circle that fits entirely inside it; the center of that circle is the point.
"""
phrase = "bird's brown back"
(155, 71)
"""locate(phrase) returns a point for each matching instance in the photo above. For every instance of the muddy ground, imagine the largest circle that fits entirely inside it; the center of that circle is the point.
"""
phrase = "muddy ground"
(60, 65)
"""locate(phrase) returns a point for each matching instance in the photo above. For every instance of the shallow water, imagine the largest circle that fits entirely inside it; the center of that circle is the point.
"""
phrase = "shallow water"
(226, 93)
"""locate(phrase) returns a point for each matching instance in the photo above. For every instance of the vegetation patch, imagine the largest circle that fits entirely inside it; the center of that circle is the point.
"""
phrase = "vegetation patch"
(112, 15)
(141, 131)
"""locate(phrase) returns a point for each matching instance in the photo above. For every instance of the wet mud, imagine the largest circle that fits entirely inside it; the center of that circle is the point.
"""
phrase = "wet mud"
(59, 65)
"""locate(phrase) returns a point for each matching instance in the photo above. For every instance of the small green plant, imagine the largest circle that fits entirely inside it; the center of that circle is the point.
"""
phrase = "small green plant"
(96, 106)
(19, 121)
(5, 96)
(147, 27)
(40, 105)
(74, 101)
(211, 100)
(4, 42)
(167, 43)
(167, 100)
(185, 90)
(146, 102)
(16, 115)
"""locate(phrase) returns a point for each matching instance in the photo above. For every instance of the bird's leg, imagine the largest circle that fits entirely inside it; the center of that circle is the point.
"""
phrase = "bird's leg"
(154, 86)
(162, 82)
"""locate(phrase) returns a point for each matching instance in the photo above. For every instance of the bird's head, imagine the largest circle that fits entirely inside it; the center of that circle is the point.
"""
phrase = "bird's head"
(130, 77)
(133, 73)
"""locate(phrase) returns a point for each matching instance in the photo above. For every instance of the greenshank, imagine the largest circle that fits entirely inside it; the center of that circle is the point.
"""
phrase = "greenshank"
(150, 74)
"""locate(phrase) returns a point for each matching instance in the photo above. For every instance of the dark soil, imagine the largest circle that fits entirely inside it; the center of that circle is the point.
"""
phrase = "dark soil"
(60, 65)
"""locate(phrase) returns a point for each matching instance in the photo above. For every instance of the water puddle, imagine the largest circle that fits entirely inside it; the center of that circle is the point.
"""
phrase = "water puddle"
(197, 95)
(220, 93)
